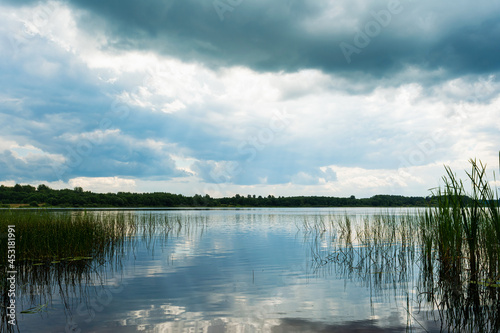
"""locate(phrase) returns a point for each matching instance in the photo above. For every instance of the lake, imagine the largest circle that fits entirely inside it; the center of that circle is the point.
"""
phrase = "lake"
(236, 270)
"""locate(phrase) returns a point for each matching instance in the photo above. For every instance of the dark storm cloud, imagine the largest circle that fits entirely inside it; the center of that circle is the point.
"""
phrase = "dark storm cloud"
(469, 49)
(382, 38)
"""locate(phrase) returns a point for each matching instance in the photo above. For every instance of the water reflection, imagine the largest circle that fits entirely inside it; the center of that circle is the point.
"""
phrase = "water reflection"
(361, 326)
(239, 271)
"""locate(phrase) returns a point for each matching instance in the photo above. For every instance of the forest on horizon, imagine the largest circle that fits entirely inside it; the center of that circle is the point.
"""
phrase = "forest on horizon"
(44, 196)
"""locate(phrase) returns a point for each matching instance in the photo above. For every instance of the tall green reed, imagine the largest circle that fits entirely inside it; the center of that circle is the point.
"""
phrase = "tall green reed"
(460, 239)
(453, 246)
(46, 237)
(69, 253)
(464, 227)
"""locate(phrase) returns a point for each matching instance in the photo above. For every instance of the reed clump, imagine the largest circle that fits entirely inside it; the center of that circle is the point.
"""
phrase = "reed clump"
(379, 250)
(463, 230)
(67, 253)
(460, 239)
(43, 237)
(453, 246)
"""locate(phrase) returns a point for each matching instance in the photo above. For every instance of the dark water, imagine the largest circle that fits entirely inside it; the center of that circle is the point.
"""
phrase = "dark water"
(248, 270)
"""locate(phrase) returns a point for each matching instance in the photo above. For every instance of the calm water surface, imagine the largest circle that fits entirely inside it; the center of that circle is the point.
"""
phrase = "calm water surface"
(238, 270)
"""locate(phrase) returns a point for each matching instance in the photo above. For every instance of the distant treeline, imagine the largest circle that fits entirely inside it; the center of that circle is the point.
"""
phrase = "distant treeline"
(45, 196)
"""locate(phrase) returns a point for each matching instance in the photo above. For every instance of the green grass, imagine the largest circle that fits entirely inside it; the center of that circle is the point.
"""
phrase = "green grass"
(453, 246)
(464, 227)
(43, 237)
(460, 239)
(66, 252)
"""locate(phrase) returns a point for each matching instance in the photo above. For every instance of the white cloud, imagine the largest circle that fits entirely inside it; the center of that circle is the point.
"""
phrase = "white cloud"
(103, 184)
(8, 182)
(96, 136)
(28, 152)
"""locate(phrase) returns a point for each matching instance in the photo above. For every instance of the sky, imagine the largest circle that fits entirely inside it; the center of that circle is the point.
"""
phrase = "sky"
(225, 97)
